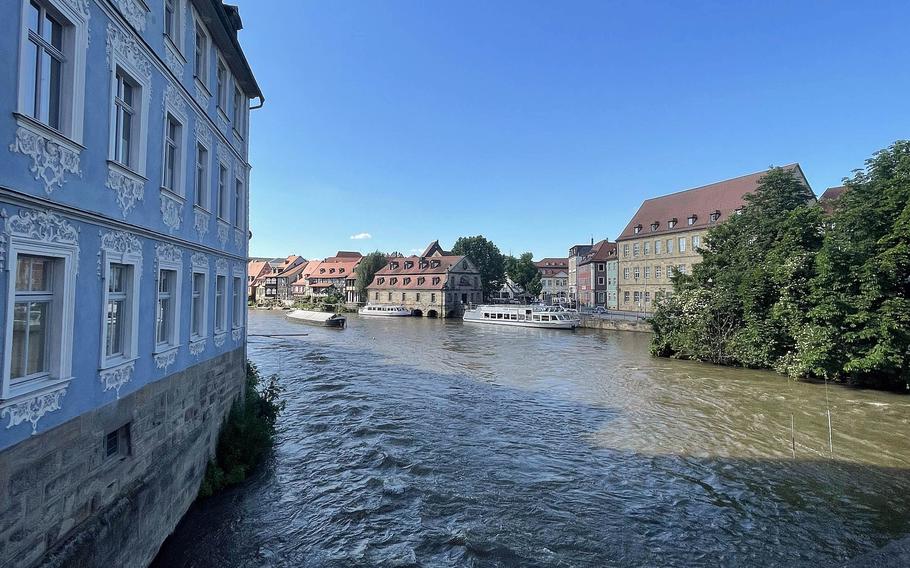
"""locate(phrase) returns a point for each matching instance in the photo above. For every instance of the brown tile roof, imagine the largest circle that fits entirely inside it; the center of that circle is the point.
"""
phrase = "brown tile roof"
(415, 267)
(329, 268)
(256, 268)
(345, 254)
(600, 252)
(829, 198)
(724, 197)
(552, 262)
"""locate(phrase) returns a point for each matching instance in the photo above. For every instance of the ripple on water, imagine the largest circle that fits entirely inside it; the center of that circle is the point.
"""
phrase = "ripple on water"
(423, 443)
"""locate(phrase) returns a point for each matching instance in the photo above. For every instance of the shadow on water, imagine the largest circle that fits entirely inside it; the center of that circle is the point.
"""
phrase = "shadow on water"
(383, 462)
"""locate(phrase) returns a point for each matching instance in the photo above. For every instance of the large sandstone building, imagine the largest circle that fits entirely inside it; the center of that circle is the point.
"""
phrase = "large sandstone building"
(665, 233)
(435, 284)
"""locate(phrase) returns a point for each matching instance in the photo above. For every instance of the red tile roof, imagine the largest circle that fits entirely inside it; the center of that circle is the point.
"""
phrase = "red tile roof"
(600, 252)
(829, 198)
(416, 267)
(345, 255)
(724, 197)
(330, 268)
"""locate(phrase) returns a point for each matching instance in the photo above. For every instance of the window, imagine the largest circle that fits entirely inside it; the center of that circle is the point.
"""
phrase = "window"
(600, 280)
(376, 296)
(657, 247)
(647, 297)
(433, 297)
(197, 315)
(118, 443)
(238, 205)
(121, 316)
(637, 229)
(654, 226)
(390, 296)
(222, 192)
(172, 145)
(166, 322)
(201, 54)
(636, 272)
(221, 87)
(647, 247)
(625, 273)
(625, 250)
(636, 248)
(126, 125)
(647, 272)
(625, 297)
(669, 246)
(402, 297)
(601, 267)
(35, 293)
(239, 112)
(172, 20)
(696, 241)
(202, 175)
(636, 296)
(682, 244)
(45, 60)
(671, 223)
(714, 216)
(657, 272)
(220, 303)
(692, 218)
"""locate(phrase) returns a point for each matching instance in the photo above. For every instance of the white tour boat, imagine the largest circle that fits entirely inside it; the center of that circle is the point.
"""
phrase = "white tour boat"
(523, 316)
(387, 311)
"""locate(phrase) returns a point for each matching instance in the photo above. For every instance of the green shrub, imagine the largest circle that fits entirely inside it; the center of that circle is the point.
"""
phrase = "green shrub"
(247, 434)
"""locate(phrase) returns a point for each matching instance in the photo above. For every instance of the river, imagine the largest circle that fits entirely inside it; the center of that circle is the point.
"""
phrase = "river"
(416, 442)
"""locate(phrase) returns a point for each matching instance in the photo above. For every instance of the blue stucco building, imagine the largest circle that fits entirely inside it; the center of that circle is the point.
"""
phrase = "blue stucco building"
(124, 181)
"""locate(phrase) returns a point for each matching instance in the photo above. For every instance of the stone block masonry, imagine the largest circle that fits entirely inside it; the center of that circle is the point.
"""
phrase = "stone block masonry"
(106, 488)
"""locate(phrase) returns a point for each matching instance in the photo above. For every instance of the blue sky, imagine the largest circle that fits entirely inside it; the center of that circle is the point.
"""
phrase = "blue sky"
(544, 124)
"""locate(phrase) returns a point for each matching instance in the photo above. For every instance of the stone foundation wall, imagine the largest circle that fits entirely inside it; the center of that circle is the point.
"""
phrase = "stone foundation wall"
(616, 325)
(64, 502)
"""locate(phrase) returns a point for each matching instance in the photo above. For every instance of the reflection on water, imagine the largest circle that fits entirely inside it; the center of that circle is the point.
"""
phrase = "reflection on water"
(419, 442)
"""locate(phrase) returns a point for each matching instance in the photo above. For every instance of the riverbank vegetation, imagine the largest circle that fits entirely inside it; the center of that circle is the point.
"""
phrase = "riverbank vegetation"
(247, 434)
(786, 286)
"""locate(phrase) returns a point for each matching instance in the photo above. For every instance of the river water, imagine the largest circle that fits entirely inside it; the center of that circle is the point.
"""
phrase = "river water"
(430, 443)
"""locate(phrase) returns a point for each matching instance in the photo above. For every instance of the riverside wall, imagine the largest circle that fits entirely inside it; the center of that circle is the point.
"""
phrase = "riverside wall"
(66, 502)
(593, 322)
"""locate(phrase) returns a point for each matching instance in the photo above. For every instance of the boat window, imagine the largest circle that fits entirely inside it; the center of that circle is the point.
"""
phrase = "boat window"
(486, 315)
(514, 317)
(521, 317)
(536, 317)
(545, 318)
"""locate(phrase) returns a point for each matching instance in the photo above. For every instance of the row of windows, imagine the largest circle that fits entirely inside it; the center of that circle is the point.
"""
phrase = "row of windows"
(555, 281)
(43, 306)
(661, 246)
(639, 297)
(713, 217)
(645, 272)
(48, 87)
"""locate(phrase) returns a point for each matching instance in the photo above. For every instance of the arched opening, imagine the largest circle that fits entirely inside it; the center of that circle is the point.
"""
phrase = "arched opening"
(417, 313)
(432, 314)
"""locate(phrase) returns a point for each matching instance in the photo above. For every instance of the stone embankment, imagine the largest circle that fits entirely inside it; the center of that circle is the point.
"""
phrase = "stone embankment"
(616, 324)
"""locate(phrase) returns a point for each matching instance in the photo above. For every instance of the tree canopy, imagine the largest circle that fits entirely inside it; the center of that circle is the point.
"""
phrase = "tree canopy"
(784, 286)
(366, 270)
(486, 257)
(524, 272)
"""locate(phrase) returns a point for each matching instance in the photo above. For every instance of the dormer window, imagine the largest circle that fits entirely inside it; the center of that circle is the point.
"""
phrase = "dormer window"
(423, 264)
(654, 226)
(434, 263)
(393, 265)
(692, 218)
(322, 271)
(671, 223)
(738, 211)
(408, 264)
(421, 280)
(637, 229)
(407, 281)
(393, 281)
(380, 281)
(715, 216)
(331, 271)
(341, 271)
(435, 280)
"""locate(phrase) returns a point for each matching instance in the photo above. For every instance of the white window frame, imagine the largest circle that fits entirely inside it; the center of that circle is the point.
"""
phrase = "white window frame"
(203, 294)
(239, 201)
(239, 299)
(223, 194)
(72, 99)
(60, 354)
(203, 80)
(241, 104)
(176, 295)
(131, 342)
(177, 41)
(139, 139)
(222, 98)
(220, 273)
(179, 188)
(206, 204)
(681, 244)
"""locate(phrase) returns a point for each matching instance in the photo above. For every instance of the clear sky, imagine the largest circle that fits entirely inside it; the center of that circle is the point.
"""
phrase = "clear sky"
(544, 124)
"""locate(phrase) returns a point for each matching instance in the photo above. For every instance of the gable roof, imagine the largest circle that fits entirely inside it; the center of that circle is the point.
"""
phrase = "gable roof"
(724, 197)
(434, 249)
(829, 198)
(600, 252)
(255, 268)
(333, 268)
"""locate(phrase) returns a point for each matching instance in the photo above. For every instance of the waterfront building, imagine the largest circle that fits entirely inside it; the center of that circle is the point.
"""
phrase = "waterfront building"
(124, 183)
(612, 283)
(298, 280)
(331, 276)
(435, 284)
(554, 280)
(291, 269)
(664, 235)
(576, 253)
(257, 269)
(591, 274)
(510, 292)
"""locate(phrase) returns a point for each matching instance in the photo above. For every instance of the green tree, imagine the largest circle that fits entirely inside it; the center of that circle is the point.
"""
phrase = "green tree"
(744, 303)
(486, 257)
(525, 273)
(367, 269)
(859, 327)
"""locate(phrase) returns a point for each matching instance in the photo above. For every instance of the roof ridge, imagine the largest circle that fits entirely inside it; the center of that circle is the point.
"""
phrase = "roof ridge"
(728, 180)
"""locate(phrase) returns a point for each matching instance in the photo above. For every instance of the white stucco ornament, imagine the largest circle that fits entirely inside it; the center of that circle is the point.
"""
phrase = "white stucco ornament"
(32, 409)
(129, 190)
(165, 359)
(201, 223)
(50, 160)
(115, 378)
(171, 211)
